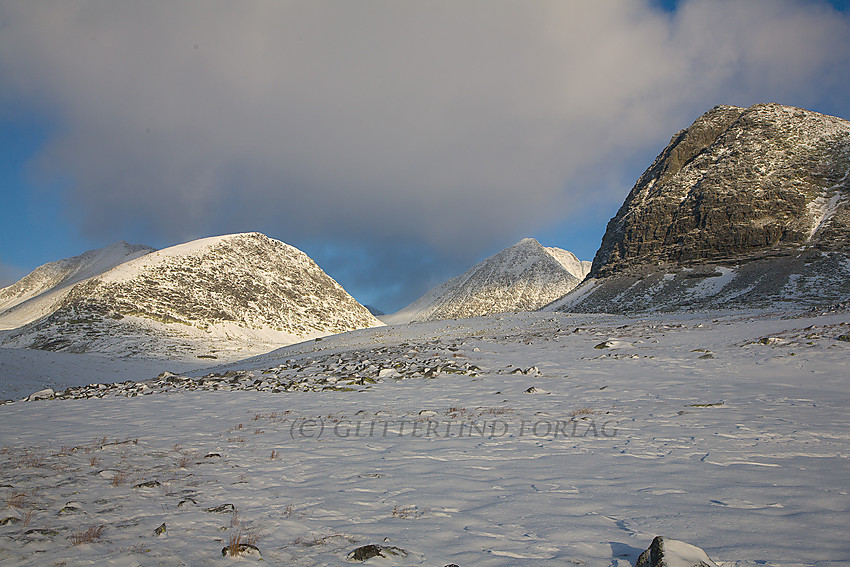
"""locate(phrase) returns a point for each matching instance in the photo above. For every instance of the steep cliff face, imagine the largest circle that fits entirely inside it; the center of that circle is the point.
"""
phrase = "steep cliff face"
(522, 277)
(240, 293)
(754, 199)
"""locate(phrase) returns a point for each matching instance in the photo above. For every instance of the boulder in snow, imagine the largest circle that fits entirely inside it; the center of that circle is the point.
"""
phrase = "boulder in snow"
(45, 394)
(665, 552)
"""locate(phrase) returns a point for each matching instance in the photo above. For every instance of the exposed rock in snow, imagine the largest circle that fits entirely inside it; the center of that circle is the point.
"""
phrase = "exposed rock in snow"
(44, 394)
(217, 298)
(746, 206)
(365, 552)
(665, 552)
(522, 277)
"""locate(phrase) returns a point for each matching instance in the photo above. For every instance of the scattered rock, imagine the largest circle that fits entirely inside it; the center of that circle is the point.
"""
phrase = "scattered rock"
(42, 532)
(535, 390)
(845, 338)
(706, 356)
(333, 372)
(223, 509)
(613, 344)
(160, 530)
(366, 552)
(108, 474)
(664, 552)
(369, 551)
(46, 394)
(148, 484)
(69, 508)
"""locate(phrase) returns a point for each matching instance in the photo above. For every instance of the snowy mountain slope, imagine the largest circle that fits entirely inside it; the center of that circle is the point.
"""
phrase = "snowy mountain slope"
(570, 262)
(38, 293)
(522, 277)
(225, 296)
(754, 199)
(725, 430)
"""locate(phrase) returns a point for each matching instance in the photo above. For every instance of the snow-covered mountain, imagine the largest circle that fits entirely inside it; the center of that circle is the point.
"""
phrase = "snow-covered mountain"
(39, 293)
(746, 206)
(522, 277)
(218, 297)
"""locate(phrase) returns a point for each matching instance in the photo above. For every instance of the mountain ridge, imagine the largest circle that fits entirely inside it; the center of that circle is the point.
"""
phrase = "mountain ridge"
(213, 297)
(33, 295)
(747, 205)
(522, 277)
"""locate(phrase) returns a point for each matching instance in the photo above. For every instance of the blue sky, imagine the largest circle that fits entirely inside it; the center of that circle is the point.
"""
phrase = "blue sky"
(397, 143)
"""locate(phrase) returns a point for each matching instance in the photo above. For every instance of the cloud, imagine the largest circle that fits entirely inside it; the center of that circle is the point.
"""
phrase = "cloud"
(447, 125)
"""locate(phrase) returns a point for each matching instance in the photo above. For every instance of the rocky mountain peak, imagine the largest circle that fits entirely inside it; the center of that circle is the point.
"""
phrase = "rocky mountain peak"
(745, 206)
(235, 293)
(522, 277)
(736, 182)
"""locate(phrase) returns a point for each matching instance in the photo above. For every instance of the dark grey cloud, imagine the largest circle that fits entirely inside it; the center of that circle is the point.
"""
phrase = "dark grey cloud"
(447, 125)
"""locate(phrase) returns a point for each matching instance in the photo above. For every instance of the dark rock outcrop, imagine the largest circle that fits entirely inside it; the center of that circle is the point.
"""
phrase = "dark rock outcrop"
(664, 552)
(744, 206)
(365, 552)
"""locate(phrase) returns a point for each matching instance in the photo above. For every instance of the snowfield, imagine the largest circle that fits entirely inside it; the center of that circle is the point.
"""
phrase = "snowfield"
(526, 439)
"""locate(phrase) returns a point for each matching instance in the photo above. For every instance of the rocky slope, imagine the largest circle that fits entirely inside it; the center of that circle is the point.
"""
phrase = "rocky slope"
(744, 206)
(219, 297)
(37, 293)
(522, 277)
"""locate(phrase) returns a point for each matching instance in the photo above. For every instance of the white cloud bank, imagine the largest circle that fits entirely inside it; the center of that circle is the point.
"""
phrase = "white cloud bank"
(448, 124)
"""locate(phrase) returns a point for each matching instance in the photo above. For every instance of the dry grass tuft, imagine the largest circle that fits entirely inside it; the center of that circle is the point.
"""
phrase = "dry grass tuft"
(120, 479)
(90, 535)
(30, 460)
(498, 411)
(238, 540)
(404, 512)
(583, 411)
(21, 498)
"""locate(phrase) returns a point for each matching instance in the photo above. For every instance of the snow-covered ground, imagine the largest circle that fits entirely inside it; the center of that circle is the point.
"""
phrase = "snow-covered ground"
(24, 371)
(725, 430)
